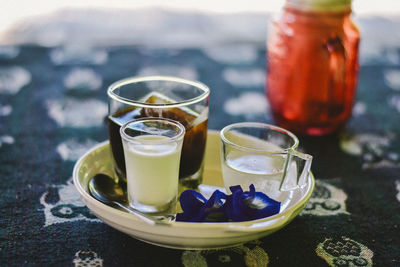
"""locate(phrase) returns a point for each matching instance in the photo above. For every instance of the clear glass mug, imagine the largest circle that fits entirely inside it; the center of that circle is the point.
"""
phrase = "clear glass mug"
(263, 155)
(173, 98)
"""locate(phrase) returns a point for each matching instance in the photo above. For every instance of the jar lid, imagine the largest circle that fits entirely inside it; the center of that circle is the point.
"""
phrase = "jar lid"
(320, 5)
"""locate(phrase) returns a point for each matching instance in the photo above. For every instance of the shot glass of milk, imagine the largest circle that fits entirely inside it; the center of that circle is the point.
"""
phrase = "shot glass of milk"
(263, 155)
(152, 149)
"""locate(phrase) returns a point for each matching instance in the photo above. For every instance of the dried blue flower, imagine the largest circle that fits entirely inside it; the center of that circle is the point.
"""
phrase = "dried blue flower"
(191, 204)
(250, 205)
(196, 208)
(237, 207)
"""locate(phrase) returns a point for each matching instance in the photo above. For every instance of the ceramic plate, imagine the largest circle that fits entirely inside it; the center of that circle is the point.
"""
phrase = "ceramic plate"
(184, 235)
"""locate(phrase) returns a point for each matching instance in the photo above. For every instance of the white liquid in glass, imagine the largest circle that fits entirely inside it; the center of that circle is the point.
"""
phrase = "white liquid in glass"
(152, 168)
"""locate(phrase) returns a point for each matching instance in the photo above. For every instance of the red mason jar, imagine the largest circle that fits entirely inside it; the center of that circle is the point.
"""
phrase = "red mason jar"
(312, 55)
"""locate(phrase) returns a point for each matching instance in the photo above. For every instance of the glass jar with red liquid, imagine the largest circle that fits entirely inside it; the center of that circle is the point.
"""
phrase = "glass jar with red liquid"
(312, 55)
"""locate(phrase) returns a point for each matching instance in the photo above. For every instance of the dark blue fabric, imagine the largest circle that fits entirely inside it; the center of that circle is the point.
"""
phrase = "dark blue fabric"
(35, 178)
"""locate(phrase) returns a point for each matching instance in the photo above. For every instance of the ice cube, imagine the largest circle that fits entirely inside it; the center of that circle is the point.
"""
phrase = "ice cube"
(203, 116)
(184, 115)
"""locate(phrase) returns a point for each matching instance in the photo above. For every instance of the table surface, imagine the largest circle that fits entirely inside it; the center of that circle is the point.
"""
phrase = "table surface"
(52, 108)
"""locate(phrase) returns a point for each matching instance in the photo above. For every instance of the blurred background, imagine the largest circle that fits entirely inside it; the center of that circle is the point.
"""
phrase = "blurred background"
(179, 23)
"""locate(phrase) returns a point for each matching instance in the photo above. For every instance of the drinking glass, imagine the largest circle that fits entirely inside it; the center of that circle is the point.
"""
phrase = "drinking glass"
(163, 97)
(263, 155)
(152, 150)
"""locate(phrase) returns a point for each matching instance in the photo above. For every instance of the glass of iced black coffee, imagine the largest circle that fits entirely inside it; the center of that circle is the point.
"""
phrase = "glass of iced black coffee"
(173, 98)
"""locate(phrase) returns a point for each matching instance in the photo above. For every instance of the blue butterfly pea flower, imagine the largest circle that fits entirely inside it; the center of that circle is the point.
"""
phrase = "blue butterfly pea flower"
(250, 205)
(237, 207)
(191, 203)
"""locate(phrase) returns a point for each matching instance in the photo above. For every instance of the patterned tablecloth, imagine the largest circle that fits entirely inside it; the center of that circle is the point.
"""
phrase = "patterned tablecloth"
(52, 108)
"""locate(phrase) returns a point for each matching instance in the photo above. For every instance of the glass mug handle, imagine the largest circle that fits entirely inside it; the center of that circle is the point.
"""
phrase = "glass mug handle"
(296, 171)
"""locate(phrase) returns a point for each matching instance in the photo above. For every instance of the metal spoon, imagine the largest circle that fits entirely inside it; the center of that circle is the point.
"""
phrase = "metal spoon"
(103, 188)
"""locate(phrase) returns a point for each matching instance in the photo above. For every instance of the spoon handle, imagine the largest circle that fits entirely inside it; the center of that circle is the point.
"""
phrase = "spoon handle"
(144, 217)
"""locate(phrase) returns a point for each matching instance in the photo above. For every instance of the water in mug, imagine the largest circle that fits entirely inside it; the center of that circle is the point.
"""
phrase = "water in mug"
(152, 172)
(263, 170)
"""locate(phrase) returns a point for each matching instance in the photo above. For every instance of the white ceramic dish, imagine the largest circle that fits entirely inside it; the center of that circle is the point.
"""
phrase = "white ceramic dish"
(183, 235)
